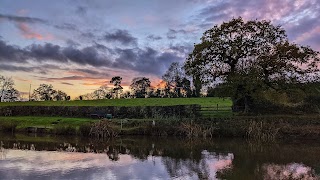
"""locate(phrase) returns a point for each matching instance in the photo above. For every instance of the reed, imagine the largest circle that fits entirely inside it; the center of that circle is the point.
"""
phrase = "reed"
(192, 129)
(262, 131)
(103, 129)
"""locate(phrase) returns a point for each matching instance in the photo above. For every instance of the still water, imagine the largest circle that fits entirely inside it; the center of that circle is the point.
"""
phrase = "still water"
(34, 157)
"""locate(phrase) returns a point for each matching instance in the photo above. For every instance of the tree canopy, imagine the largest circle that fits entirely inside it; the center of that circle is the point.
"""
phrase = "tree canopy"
(175, 79)
(250, 57)
(116, 80)
(139, 86)
(7, 91)
(46, 92)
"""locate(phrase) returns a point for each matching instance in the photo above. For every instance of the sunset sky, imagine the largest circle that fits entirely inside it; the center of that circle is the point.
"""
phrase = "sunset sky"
(78, 45)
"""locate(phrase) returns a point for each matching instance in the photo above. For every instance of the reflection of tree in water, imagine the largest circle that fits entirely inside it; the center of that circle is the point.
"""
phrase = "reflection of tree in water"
(206, 168)
(3, 151)
(182, 168)
(288, 171)
(251, 156)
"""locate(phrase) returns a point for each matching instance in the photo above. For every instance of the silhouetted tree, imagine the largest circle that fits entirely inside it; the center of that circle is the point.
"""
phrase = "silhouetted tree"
(116, 80)
(103, 92)
(250, 57)
(6, 85)
(45, 92)
(177, 81)
(11, 95)
(139, 86)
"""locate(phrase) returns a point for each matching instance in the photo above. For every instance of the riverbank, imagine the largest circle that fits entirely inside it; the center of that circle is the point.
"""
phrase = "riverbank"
(267, 127)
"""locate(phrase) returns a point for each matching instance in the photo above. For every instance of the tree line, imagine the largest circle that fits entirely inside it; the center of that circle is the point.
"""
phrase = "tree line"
(174, 84)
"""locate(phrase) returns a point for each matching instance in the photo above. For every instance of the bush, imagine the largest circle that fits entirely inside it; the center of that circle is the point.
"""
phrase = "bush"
(8, 126)
(84, 129)
(64, 130)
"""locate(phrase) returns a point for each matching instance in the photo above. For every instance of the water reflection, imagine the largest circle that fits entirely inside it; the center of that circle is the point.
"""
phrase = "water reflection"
(24, 157)
(28, 164)
(288, 171)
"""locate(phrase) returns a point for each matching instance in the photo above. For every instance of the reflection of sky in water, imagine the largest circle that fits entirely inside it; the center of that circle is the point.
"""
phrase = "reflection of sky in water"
(23, 164)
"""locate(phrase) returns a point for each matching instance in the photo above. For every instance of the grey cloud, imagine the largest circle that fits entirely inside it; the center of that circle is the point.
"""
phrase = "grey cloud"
(88, 55)
(92, 72)
(66, 26)
(72, 43)
(47, 51)
(70, 84)
(145, 60)
(51, 66)
(121, 36)
(67, 78)
(184, 49)
(81, 10)
(154, 37)
(11, 53)
(43, 69)
(22, 19)
(13, 68)
(172, 33)
(104, 48)
(88, 35)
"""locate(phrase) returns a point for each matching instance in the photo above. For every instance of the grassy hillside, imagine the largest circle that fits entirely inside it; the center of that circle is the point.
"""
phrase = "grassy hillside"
(207, 101)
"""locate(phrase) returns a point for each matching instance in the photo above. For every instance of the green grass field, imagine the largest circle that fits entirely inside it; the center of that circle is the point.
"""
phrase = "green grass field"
(205, 101)
(45, 122)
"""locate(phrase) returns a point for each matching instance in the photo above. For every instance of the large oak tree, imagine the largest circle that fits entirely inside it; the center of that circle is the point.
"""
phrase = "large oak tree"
(250, 57)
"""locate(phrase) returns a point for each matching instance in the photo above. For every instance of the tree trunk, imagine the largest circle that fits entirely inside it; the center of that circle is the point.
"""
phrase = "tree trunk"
(246, 104)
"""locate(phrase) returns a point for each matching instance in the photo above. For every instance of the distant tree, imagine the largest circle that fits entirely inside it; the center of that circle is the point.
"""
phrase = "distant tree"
(176, 81)
(45, 92)
(11, 95)
(126, 95)
(186, 87)
(116, 80)
(139, 86)
(6, 85)
(60, 96)
(250, 58)
(103, 92)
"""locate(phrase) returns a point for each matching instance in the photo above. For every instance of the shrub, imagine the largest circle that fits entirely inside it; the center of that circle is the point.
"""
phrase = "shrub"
(8, 126)
(64, 130)
(84, 129)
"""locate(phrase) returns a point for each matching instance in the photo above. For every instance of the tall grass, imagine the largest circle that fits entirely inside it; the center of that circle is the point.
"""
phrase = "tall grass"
(104, 129)
(191, 129)
(262, 131)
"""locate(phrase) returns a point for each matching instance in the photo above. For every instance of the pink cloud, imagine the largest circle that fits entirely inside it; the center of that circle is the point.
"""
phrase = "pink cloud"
(28, 33)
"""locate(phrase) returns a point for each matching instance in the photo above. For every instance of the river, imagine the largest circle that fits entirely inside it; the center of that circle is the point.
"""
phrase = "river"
(47, 157)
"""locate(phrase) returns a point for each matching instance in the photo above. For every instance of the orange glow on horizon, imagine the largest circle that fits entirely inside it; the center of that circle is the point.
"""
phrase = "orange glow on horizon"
(162, 84)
